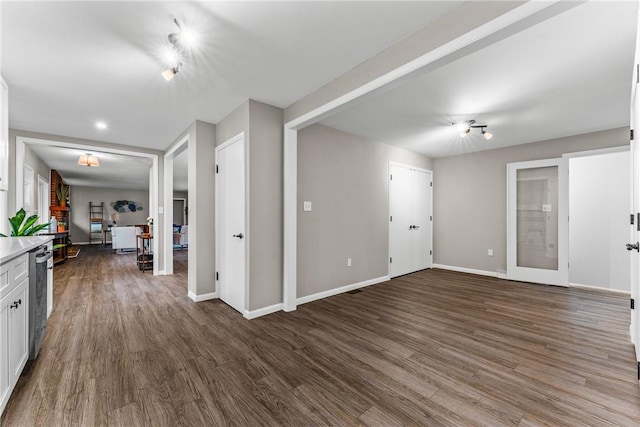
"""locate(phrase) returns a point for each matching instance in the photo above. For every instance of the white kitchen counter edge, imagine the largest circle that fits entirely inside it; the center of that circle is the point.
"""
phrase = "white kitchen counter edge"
(11, 247)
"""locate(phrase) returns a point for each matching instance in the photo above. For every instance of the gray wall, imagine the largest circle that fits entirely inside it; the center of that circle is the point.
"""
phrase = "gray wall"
(79, 216)
(201, 208)
(266, 191)
(346, 179)
(263, 130)
(469, 197)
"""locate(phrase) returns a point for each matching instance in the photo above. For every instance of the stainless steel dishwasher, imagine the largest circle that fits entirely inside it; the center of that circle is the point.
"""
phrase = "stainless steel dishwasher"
(40, 260)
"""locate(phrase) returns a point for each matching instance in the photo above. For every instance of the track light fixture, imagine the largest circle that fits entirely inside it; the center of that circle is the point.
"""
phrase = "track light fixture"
(179, 43)
(466, 126)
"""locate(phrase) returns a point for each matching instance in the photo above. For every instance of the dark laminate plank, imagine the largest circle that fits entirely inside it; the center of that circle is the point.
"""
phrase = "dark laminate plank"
(434, 348)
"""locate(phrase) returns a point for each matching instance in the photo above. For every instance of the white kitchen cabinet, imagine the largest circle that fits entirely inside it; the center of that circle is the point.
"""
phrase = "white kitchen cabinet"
(4, 136)
(14, 324)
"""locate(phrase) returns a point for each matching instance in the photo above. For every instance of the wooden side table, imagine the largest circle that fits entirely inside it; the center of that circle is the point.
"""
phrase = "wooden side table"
(144, 255)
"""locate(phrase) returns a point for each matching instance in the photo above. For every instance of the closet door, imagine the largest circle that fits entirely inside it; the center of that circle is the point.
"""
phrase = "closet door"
(410, 219)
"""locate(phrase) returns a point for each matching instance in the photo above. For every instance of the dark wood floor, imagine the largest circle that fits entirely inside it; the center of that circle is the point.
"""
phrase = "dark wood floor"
(432, 348)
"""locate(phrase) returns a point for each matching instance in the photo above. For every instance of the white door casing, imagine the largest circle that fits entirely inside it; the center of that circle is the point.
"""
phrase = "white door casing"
(230, 224)
(410, 219)
(544, 222)
(43, 199)
(634, 328)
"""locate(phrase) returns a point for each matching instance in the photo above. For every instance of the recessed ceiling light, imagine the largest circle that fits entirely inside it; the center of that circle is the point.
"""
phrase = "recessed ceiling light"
(101, 125)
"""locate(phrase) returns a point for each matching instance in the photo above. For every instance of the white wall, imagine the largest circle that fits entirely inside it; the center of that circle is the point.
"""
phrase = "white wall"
(599, 209)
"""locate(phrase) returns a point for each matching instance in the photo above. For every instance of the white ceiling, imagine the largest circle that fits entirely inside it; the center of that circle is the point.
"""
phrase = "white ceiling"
(115, 170)
(565, 76)
(69, 64)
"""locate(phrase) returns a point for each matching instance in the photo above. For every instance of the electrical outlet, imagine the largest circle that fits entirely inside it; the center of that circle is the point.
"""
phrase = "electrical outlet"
(348, 262)
(490, 252)
(306, 206)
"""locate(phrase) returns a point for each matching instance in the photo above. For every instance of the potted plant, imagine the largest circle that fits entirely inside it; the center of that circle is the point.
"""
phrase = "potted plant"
(62, 191)
(62, 226)
(25, 227)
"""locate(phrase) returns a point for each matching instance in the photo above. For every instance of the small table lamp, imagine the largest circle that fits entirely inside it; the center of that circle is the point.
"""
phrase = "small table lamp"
(115, 217)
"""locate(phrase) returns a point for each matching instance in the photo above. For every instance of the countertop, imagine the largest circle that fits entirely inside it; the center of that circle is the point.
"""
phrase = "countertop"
(11, 247)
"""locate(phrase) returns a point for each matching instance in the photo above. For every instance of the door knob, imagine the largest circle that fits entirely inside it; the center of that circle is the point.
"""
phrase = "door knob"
(632, 246)
(239, 235)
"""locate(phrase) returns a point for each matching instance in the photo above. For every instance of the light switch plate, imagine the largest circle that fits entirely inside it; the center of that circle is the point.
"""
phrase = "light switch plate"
(306, 207)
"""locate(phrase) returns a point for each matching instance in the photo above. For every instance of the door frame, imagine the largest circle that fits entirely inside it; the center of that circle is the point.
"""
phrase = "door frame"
(44, 201)
(558, 277)
(430, 172)
(154, 175)
(239, 138)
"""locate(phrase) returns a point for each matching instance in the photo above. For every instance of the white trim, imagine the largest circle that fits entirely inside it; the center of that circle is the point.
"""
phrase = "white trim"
(252, 314)
(466, 270)
(341, 290)
(290, 257)
(290, 240)
(203, 297)
(598, 288)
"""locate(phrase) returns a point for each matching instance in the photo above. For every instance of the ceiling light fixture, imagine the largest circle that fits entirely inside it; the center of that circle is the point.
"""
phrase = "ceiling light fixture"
(89, 160)
(101, 125)
(465, 128)
(179, 43)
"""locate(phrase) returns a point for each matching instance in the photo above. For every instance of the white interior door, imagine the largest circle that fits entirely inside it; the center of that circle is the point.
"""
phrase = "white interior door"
(410, 219)
(537, 222)
(422, 220)
(230, 222)
(635, 201)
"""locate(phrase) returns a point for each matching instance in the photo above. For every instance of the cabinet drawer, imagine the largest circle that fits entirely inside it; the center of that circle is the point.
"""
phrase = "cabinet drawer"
(12, 273)
(20, 268)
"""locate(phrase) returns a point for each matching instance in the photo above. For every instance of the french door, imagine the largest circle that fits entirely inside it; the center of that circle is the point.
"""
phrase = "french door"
(410, 219)
(537, 222)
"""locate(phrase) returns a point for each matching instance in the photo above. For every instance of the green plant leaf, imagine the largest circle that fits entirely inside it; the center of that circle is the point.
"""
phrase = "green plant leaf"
(16, 222)
(27, 225)
(35, 229)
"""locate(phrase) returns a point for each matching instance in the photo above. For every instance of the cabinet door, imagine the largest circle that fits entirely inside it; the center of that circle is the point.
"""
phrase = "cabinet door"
(18, 345)
(5, 385)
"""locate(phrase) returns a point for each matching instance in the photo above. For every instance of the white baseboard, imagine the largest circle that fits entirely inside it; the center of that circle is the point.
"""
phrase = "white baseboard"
(262, 311)
(336, 291)
(203, 297)
(598, 288)
(465, 270)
